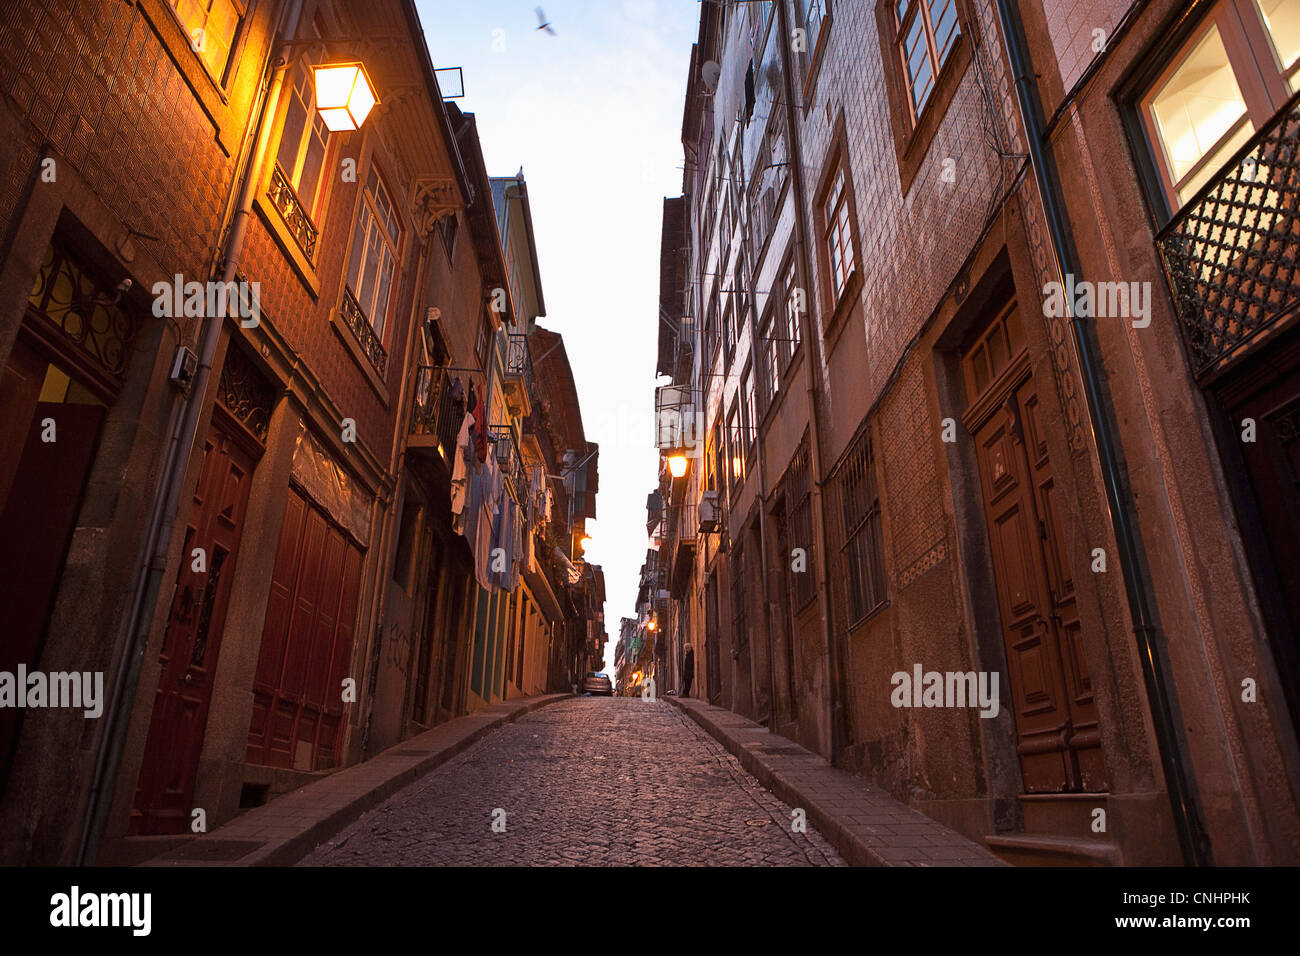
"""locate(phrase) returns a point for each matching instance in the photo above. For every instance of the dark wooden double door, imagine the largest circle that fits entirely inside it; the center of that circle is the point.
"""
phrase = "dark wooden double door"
(298, 688)
(1059, 740)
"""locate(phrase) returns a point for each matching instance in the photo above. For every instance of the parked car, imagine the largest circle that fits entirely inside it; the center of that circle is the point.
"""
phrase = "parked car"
(595, 683)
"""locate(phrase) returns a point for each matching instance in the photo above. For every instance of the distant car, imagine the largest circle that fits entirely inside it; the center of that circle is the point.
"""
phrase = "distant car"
(595, 683)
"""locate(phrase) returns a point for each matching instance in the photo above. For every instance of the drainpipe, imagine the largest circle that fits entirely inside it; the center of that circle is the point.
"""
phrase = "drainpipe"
(812, 343)
(1160, 695)
(754, 357)
(172, 481)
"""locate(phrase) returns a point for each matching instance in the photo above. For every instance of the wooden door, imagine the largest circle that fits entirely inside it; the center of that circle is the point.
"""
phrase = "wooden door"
(713, 660)
(1267, 393)
(192, 643)
(306, 643)
(35, 529)
(1050, 687)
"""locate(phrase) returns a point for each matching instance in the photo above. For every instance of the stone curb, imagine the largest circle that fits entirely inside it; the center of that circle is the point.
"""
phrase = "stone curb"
(858, 842)
(294, 824)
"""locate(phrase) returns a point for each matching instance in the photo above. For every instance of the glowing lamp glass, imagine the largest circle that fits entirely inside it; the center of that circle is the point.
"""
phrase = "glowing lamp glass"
(344, 96)
(651, 626)
(677, 465)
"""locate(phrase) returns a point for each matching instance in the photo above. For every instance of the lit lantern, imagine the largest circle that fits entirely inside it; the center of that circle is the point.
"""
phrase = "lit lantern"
(344, 96)
(677, 465)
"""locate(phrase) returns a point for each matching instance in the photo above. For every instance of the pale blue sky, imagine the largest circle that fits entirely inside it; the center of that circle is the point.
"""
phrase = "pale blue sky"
(593, 114)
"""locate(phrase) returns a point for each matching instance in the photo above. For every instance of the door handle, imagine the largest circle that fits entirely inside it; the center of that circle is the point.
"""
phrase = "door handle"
(189, 678)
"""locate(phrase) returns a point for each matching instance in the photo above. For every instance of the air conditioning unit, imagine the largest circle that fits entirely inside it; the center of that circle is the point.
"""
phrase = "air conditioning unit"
(710, 513)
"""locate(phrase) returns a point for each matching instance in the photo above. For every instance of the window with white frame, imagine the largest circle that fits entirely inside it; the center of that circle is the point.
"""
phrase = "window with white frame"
(373, 261)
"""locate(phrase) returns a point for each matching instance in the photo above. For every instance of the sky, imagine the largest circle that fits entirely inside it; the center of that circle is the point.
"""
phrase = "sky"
(593, 114)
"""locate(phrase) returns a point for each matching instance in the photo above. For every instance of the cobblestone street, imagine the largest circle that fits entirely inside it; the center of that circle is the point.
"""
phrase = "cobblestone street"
(591, 782)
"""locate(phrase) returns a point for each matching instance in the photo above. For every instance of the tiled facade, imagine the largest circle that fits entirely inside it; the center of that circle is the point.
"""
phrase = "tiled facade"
(988, 503)
(331, 609)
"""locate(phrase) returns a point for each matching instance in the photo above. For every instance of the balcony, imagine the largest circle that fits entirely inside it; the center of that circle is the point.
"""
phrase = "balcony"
(1232, 252)
(356, 320)
(285, 199)
(518, 382)
(683, 558)
(436, 415)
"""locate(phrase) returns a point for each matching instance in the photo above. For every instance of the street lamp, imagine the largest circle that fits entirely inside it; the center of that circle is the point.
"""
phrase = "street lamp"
(677, 465)
(651, 625)
(344, 95)
(584, 542)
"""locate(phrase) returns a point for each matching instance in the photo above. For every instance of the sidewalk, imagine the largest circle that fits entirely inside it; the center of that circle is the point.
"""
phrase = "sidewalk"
(865, 825)
(292, 825)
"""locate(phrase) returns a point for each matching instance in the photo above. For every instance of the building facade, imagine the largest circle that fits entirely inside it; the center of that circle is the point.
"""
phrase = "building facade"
(972, 380)
(283, 520)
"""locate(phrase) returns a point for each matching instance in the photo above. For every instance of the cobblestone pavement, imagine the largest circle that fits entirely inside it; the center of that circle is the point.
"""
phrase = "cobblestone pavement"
(584, 782)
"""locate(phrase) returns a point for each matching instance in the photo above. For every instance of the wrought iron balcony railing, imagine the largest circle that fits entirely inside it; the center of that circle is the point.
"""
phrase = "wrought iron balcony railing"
(1231, 254)
(360, 325)
(435, 410)
(519, 361)
(285, 198)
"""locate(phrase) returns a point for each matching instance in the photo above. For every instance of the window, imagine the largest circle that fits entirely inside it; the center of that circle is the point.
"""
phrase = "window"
(798, 504)
(713, 456)
(729, 328)
(771, 358)
(811, 16)
(926, 32)
(739, 617)
(759, 11)
(1239, 66)
(374, 253)
(862, 550)
(837, 238)
(735, 448)
(481, 343)
(211, 26)
(748, 420)
(795, 300)
(449, 226)
(303, 139)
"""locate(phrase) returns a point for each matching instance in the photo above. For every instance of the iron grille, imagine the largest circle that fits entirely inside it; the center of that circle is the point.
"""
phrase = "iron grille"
(519, 361)
(862, 549)
(285, 198)
(69, 298)
(360, 325)
(798, 496)
(245, 393)
(1231, 253)
(739, 609)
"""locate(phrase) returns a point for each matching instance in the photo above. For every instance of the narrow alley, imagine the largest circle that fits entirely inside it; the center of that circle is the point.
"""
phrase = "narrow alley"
(584, 782)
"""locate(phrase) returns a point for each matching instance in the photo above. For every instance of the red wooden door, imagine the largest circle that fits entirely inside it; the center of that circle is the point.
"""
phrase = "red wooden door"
(35, 528)
(164, 794)
(306, 643)
(1050, 687)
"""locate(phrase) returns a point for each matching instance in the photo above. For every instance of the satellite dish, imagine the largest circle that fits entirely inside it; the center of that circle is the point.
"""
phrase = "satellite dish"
(709, 73)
